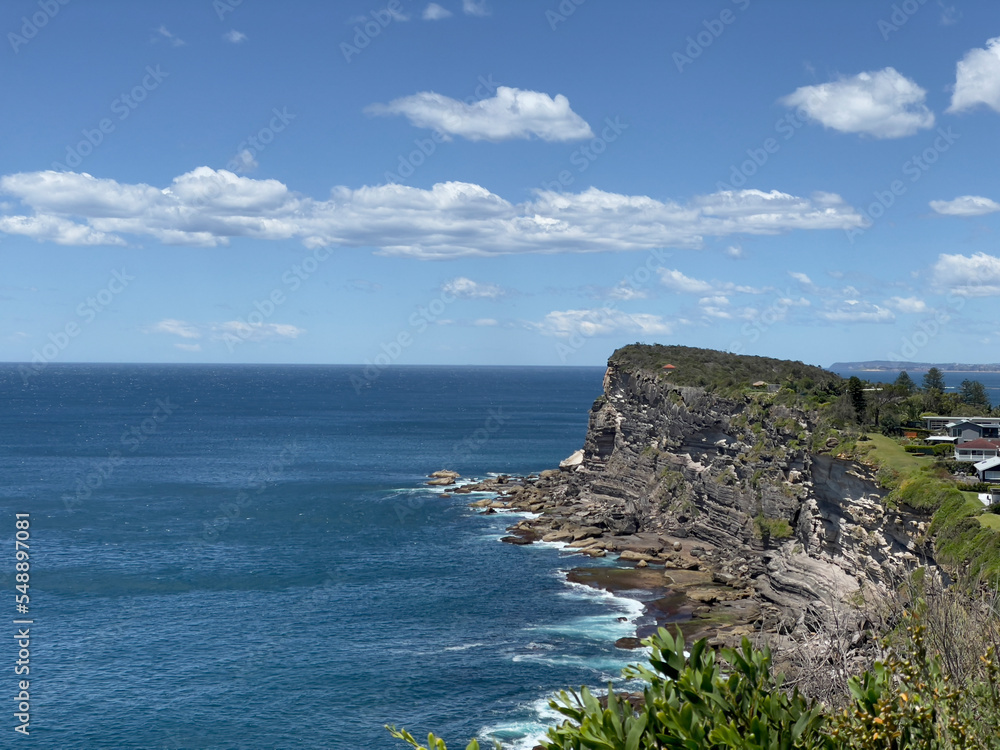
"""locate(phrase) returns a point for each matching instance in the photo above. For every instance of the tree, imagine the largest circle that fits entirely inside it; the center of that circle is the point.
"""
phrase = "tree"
(904, 383)
(934, 380)
(974, 394)
(856, 391)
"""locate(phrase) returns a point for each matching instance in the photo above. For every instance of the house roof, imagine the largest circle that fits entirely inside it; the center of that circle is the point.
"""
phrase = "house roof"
(980, 444)
(987, 464)
(966, 421)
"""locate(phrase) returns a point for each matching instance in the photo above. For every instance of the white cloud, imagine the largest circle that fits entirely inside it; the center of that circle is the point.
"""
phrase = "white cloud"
(485, 322)
(176, 328)
(206, 207)
(47, 228)
(234, 36)
(260, 332)
(601, 321)
(906, 304)
(858, 311)
(625, 291)
(164, 32)
(881, 103)
(189, 347)
(434, 12)
(977, 78)
(966, 205)
(676, 281)
(801, 278)
(968, 276)
(224, 331)
(475, 8)
(734, 251)
(244, 161)
(467, 288)
(510, 113)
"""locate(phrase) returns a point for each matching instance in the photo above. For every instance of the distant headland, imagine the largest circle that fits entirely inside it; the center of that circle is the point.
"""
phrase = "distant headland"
(882, 365)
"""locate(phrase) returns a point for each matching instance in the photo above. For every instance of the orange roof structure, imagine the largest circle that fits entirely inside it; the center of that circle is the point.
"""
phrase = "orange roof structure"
(669, 367)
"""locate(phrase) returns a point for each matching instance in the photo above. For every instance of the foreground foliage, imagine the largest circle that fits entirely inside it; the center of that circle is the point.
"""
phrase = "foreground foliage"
(912, 699)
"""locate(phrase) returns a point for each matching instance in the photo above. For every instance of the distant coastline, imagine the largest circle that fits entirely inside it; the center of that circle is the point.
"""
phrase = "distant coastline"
(889, 366)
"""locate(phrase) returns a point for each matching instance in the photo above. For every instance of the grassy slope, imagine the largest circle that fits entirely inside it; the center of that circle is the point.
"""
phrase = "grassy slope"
(962, 532)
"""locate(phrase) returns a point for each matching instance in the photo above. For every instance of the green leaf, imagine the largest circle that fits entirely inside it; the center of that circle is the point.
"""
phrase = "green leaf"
(635, 733)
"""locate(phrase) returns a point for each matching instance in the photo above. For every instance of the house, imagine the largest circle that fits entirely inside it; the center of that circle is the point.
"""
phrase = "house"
(940, 424)
(972, 430)
(989, 470)
(977, 450)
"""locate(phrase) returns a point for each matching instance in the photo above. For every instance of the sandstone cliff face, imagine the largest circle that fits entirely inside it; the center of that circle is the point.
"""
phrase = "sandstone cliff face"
(731, 474)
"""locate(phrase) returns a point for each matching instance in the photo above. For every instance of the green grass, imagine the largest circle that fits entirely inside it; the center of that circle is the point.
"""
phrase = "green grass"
(885, 451)
(989, 520)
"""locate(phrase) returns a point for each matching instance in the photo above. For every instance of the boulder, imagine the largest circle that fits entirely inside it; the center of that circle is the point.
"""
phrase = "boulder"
(441, 481)
(572, 462)
(445, 474)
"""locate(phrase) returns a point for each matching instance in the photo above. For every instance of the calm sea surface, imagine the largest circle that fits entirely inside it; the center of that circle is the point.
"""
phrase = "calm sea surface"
(246, 556)
(990, 380)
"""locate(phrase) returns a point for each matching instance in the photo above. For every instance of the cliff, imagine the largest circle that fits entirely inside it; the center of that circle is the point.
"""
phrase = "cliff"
(740, 477)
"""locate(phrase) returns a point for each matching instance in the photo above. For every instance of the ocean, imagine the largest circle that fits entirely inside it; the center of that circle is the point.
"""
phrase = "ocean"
(952, 380)
(248, 557)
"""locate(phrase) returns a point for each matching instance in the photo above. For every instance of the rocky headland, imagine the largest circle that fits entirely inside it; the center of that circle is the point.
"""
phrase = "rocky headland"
(731, 504)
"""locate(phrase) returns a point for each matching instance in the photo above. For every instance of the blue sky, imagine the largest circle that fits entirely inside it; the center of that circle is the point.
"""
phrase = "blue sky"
(498, 183)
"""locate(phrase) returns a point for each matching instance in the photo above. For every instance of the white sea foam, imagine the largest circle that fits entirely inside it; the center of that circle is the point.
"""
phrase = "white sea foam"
(463, 647)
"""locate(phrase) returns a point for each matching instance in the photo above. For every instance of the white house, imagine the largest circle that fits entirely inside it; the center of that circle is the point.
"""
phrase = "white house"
(989, 469)
(977, 450)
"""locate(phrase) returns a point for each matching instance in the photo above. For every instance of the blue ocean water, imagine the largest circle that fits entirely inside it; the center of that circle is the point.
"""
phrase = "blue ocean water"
(952, 380)
(247, 557)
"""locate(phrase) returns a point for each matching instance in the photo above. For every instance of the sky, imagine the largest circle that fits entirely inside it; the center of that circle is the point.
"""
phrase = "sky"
(498, 183)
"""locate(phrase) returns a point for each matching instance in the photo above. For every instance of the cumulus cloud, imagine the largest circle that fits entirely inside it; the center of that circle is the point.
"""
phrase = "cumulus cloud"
(968, 276)
(966, 205)
(475, 8)
(234, 36)
(858, 311)
(176, 328)
(801, 278)
(224, 331)
(434, 12)
(207, 207)
(676, 281)
(510, 113)
(977, 78)
(625, 291)
(601, 321)
(906, 304)
(467, 288)
(881, 103)
(174, 41)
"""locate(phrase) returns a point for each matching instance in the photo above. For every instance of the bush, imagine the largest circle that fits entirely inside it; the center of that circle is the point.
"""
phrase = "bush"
(772, 528)
(924, 450)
